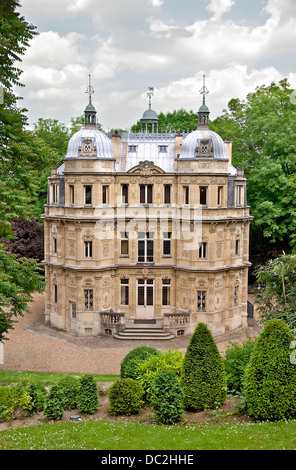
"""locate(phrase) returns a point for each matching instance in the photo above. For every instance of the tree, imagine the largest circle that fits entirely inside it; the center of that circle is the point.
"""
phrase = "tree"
(167, 397)
(269, 382)
(21, 160)
(178, 120)
(88, 395)
(262, 129)
(54, 134)
(276, 298)
(203, 375)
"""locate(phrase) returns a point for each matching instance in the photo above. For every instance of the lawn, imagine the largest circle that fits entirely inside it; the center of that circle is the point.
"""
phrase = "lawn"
(119, 435)
(222, 432)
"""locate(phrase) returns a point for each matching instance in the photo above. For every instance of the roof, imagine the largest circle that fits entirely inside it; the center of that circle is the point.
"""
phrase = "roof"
(100, 140)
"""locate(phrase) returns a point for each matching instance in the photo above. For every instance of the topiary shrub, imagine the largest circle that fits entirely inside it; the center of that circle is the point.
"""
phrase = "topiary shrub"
(129, 365)
(70, 386)
(236, 360)
(170, 359)
(125, 397)
(88, 399)
(38, 395)
(203, 373)
(54, 404)
(167, 397)
(269, 382)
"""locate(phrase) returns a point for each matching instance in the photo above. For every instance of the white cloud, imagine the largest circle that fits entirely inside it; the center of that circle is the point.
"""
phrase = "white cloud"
(219, 7)
(157, 3)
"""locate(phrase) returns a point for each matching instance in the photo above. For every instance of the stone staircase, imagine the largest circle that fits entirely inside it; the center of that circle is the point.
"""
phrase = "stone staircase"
(144, 330)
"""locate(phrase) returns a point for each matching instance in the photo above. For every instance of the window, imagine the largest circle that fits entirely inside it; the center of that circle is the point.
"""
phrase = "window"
(54, 246)
(105, 194)
(88, 299)
(145, 247)
(202, 254)
(54, 193)
(239, 195)
(167, 243)
(88, 249)
(55, 293)
(167, 193)
(236, 247)
(166, 292)
(124, 243)
(132, 148)
(145, 292)
(201, 301)
(162, 148)
(236, 296)
(203, 195)
(124, 194)
(220, 194)
(87, 148)
(87, 194)
(146, 194)
(72, 199)
(124, 291)
(204, 149)
(73, 309)
(186, 194)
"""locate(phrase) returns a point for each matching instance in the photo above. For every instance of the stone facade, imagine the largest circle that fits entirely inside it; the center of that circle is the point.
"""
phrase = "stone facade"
(146, 226)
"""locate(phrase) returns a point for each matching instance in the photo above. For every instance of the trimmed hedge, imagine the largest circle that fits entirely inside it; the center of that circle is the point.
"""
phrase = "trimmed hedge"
(54, 404)
(129, 365)
(236, 360)
(125, 397)
(88, 400)
(167, 397)
(203, 373)
(269, 382)
(70, 387)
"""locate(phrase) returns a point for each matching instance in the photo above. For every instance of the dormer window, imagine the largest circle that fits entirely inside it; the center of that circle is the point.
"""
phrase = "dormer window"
(132, 148)
(163, 148)
(204, 149)
(87, 148)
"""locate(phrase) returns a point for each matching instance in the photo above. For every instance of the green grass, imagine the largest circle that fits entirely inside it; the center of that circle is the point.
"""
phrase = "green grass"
(118, 435)
(8, 377)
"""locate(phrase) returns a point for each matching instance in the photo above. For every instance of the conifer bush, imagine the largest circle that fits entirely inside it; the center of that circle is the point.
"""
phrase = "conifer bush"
(88, 399)
(129, 365)
(70, 387)
(269, 382)
(125, 397)
(203, 374)
(167, 397)
(54, 404)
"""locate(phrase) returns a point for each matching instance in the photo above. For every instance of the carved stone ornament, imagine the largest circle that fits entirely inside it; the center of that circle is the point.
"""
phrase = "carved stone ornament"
(146, 169)
(205, 149)
(87, 148)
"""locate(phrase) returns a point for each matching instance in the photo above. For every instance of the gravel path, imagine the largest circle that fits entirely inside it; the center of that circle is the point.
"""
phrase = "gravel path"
(34, 346)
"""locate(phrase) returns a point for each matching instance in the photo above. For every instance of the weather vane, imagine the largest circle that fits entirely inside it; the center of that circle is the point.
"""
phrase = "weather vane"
(150, 93)
(90, 91)
(204, 91)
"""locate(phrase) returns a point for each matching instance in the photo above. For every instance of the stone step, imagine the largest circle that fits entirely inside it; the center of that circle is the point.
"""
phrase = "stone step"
(143, 333)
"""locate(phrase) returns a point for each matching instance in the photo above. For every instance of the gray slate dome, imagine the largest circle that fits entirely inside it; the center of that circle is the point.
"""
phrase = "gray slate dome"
(193, 140)
(149, 114)
(102, 143)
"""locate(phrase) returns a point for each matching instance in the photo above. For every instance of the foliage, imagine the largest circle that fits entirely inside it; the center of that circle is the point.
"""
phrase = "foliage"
(54, 404)
(276, 297)
(28, 240)
(269, 382)
(167, 397)
(38, 395)
(13, 399)
(125, 397)
(178, 120)
(70, 387)
(262, 129)
(129, 365)
(147, 370)
(19, 277)
(236, 360)
(21, 160)
(88, 395)
(203, 374)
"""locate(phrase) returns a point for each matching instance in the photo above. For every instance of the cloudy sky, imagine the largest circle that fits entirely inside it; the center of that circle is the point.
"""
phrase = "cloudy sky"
(128, 46)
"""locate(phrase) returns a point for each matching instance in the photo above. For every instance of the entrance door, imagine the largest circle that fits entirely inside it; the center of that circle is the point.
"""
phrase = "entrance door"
(145, 299)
